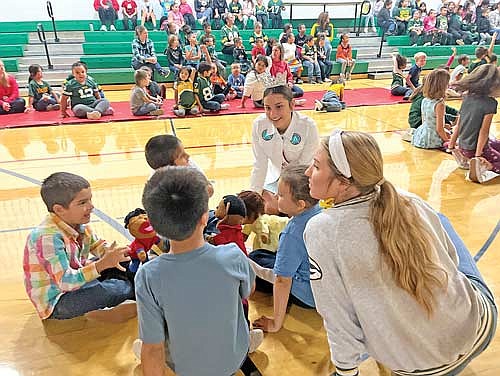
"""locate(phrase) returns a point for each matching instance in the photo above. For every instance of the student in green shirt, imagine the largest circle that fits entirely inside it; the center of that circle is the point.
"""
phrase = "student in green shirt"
(274, 7)
(42, 97)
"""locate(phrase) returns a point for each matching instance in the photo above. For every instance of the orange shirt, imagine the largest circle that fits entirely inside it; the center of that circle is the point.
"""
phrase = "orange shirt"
(344, 52)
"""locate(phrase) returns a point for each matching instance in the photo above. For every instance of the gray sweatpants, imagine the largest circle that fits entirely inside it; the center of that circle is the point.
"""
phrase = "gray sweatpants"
(81, 110)
(145, 109)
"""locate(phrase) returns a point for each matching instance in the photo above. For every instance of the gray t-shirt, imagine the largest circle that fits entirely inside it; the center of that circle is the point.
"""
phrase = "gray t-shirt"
(472, 112)
(137, 98)
(192, 302)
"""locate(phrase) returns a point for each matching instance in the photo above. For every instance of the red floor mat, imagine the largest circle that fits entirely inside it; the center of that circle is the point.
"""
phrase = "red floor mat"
(353, 98)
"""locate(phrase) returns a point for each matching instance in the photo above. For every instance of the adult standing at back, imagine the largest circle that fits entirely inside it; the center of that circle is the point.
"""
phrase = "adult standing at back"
(107, 10)
(393, 279)
(323, 26)
(10, 102)
(279, 137)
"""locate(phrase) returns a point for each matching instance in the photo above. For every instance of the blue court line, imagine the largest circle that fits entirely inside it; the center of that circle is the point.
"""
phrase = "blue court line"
(488, 242)
(103, 216)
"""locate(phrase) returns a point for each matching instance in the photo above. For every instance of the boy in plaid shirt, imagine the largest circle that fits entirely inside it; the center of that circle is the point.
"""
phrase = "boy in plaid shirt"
(60, 279)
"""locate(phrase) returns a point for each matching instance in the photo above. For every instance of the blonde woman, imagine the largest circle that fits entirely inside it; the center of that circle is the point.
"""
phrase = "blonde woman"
(390, 276)
(10, 102)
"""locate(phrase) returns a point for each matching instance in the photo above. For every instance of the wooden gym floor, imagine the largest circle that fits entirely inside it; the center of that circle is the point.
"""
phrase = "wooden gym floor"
(111, 157)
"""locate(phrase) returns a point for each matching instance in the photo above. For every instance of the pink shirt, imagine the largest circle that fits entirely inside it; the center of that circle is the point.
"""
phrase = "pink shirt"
(429, 24)
(185, 9)
(176, 18)
(9, 93)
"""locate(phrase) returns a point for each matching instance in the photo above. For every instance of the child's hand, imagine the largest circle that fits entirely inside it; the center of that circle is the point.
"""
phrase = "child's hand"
(28, 109)
(454, 50)
(494, 36)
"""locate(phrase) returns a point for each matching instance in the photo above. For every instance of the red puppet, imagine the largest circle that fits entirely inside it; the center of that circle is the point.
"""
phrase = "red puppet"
(144, 235)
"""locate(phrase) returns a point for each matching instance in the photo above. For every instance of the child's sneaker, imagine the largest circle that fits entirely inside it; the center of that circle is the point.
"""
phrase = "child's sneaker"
(156, 112)
(312, 81)
(109, 112)
(318, 105)
(408, 135)
(462, 161)
(299, 81)
(53, 107)
(112, 28)
(426, 44)
(103, 28)
(137, 348)
(94, 115)
(224, 106)
(180, 112)
(479, 171)
(256, 338)
(327, 79)
(300, 102)
(164, 72)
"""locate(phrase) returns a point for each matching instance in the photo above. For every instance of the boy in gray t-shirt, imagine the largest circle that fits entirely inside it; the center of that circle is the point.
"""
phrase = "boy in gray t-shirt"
(189, 300)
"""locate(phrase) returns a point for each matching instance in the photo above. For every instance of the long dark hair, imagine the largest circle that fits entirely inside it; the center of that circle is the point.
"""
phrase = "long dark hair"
(33, 70)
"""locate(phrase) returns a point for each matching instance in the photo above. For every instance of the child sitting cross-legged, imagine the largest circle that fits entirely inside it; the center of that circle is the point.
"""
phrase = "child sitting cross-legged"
(141, 103)
(236, 80)
(189, 300)
(60, 278)
(203, 90)
(186, 101)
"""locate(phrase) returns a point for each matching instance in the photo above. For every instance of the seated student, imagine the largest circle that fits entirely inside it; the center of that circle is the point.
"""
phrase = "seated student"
(174, 54)
(398, 86)
(384, 19)
(129, 12)
(333, 99)
(187, 13)
(291, 268)
(402, 14)
(258, 34)
(148, 13)
(344, 57)
(484, 26)
(258, 49)
(107, 10)
(460, 70)
(192, 52)
(141, 103)
(483, 55)
(236, 80)
(192, 279)
(415, 28)
(10, 102)
(84, 96)
(209, 54)
(203, 89)
(256, 81)
(60, 279)
(154, 89)
(186, 102)
(240, 56)
(144, 53)
(204, 11)
(42, 97)
(261, 14)
(413, 76)
(300, 37)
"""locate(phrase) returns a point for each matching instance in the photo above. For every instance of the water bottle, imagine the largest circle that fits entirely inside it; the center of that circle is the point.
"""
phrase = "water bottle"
(91, 26)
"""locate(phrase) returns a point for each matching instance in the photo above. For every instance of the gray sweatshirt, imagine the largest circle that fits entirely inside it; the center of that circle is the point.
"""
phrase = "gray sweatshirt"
(363, 309)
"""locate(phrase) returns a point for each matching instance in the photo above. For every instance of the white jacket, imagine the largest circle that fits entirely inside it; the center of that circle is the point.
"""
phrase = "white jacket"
(273, 151)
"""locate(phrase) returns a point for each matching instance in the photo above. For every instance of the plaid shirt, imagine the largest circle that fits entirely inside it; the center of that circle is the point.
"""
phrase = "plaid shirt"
(56, 261)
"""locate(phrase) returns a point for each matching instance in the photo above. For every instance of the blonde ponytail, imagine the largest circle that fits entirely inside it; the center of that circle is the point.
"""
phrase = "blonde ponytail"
(405, 243)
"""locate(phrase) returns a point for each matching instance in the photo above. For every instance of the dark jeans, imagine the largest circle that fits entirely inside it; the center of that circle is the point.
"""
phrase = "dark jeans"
(111, 289)
(297, 91)
(214, 104)
(189, 20)
(126, 20)
(107, 16)
(41, 105)
(326, 68)
(414, 37)
(275, 21)
(401, 91)
(16, 106)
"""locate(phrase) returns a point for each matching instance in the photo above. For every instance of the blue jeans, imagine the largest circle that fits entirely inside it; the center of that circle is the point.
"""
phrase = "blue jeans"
(92, 296)
(41, 105)
(468, 267)
(146, 108)
(313, 69)
(214, 103)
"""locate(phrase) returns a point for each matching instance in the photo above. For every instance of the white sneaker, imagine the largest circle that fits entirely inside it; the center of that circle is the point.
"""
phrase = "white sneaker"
(327, 79)
(300, 102)
(110, 111)
(137, 348)
(366, 30)
(103, 28)
(318, 106)
(408, 135)
(224, 106)
(256, 338)
(462, 161)
(112, 28)
(374, 29)
(94, 115)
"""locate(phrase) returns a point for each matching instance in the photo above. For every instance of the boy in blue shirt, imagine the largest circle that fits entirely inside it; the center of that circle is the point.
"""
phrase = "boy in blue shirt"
(236, 80)
(413, 77)
(189, 300)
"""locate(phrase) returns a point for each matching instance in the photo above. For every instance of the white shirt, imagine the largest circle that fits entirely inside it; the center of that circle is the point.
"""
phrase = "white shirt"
(272, 151)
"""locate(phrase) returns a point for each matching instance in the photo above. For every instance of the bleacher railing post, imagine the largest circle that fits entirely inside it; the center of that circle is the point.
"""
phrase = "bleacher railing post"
(41, 35)
(51, 15)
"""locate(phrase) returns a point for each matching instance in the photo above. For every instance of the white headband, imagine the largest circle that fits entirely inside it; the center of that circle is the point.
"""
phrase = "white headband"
(337, 152)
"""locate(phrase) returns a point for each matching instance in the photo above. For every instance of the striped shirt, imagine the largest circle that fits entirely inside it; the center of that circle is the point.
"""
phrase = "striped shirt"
(56, 261)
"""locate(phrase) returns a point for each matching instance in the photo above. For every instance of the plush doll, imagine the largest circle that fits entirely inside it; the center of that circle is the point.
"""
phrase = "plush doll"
(231, 211)
(144, 235)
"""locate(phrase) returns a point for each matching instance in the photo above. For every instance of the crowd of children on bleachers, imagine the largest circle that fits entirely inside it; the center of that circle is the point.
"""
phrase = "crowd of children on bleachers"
(451, 23)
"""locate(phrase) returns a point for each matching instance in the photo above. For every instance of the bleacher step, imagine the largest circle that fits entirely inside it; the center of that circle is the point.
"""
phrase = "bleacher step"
(64, 37)
(54, 49)
(55, 77)
(59, 62)
(380, 75)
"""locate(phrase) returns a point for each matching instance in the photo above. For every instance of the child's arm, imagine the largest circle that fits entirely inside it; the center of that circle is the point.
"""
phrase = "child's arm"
(64, 106)
(454, 135)
(492, 43)
(395, 68)
(281, 293)
(484, 134)
(439, 110)
(56, 95)
(30, 105)
(408, 81)
(452, 57)
(176, 96)
(197, 98)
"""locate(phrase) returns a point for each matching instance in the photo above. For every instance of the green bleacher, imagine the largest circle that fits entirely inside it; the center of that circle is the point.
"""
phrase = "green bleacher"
(11, 65)
(11, 51)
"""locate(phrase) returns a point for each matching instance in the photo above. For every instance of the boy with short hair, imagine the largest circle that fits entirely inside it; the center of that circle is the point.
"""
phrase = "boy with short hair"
(483, 54)
(203, 90)
(460, 70)
(300, 38)
(192, 279)
(60, 279)
(413, 77)
(236, 80)
(141, 102)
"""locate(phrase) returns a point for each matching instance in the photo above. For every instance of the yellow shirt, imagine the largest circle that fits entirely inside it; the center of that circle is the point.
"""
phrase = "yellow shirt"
(270, 225)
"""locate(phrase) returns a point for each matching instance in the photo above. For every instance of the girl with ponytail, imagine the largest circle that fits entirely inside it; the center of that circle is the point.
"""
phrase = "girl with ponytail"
(392, 278)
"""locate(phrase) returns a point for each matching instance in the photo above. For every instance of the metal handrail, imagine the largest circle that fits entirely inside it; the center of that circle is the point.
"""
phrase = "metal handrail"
(51, 15)
(41, 35)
